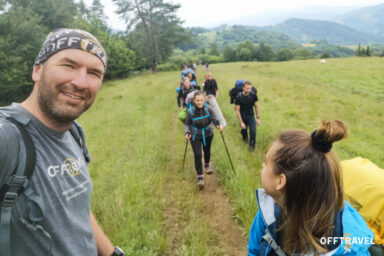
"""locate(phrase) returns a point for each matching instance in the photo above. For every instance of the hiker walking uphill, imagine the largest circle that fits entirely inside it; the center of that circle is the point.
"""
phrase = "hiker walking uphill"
(44, 178)
(245, 101)
(210, 86)
(192, 80)
(184, 72)
(301, 208)
(199, 129)
(185, 89)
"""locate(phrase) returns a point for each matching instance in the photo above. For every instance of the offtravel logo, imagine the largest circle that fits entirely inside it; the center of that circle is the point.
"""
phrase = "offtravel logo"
(70, 166)
(349, 241)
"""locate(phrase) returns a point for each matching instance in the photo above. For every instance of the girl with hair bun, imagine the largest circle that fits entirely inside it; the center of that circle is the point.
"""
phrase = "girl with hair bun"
(301, 206)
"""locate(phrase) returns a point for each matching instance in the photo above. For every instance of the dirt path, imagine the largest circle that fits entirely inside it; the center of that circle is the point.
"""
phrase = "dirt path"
(219, 211)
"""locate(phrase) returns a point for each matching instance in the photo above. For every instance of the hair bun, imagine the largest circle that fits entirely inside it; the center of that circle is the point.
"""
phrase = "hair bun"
(327, 133)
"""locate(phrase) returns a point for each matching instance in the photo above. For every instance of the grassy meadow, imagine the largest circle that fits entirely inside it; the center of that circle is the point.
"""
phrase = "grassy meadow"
(149, 206)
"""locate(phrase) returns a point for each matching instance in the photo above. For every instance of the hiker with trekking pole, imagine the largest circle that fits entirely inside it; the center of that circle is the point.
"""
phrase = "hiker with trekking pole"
(199, 124)
(301, 208)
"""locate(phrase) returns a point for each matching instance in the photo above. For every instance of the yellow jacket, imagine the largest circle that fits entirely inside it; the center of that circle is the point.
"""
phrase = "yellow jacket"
(364, 190)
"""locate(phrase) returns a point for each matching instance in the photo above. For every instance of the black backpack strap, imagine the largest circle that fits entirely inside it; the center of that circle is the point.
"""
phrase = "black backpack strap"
(16, 183)
(78, 134)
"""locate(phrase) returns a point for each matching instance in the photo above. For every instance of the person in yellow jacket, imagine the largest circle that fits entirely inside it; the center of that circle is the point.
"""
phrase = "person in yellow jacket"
(364, 190)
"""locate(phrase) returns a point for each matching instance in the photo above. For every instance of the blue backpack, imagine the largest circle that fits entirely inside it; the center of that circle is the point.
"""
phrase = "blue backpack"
(190, 106)
(237, 89)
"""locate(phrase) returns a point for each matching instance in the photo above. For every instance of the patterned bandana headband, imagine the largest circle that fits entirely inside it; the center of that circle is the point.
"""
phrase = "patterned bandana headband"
(65, 38)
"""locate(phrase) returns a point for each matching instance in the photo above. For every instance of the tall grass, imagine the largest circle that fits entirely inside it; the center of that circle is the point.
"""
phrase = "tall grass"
(299, 94)
(137, 144)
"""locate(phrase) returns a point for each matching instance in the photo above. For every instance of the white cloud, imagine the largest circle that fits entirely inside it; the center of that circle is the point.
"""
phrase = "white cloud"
(205, 12)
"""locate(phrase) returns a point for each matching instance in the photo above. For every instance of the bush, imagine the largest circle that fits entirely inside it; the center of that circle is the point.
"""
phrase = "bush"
(168, 67)
(121, 60)
(284, 55)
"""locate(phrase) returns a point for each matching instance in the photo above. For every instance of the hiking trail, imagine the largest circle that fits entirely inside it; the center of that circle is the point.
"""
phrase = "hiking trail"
(216, 207)
(219, 210)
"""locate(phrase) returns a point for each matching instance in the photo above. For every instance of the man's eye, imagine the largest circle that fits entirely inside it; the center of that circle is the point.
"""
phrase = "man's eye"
(68, 65)
(95, 74)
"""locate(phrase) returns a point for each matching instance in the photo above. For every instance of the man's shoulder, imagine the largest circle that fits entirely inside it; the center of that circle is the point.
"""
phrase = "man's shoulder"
(9, 147)
(7, 128)
(239, 95)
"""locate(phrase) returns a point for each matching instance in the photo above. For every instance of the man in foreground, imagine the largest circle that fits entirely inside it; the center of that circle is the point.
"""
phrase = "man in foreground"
(52, 216)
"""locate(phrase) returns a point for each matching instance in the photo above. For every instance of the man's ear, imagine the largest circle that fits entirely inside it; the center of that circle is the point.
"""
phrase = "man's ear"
(281, 181)
(36, 72)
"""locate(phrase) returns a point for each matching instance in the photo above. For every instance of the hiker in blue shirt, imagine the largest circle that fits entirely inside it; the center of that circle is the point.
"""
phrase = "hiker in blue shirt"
(199, 130)
(301, 206)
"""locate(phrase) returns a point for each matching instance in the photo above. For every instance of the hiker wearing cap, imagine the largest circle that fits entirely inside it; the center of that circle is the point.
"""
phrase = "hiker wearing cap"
(185, 89)
(210, 86)
(301, 208)
(245, 102)
(39, 136)
(199, 130)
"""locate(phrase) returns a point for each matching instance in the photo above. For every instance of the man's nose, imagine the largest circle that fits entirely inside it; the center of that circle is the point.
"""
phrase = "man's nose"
(80, 79)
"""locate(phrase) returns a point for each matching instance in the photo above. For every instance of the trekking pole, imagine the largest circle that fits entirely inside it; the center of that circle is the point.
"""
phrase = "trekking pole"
(185, 153)
(233, 169)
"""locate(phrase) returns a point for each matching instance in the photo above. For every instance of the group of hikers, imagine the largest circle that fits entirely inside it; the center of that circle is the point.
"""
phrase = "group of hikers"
(201, 117)
(301, 208)
(45, 185)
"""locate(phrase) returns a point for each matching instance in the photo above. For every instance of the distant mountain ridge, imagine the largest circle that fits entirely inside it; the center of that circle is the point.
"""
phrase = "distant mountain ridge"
(275, 16)
(304, 31)
(369, 19)
(337, 25)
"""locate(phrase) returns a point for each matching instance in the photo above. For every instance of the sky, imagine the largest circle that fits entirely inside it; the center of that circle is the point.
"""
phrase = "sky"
(207, 12)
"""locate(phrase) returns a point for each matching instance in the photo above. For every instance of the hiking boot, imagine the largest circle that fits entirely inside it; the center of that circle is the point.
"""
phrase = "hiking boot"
(251, 147)
(208, 169)
(200, 181)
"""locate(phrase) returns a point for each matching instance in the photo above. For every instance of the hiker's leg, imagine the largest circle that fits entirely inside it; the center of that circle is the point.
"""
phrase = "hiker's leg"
(207, 149)
(244, 132)
(252, 131)
(197, 153)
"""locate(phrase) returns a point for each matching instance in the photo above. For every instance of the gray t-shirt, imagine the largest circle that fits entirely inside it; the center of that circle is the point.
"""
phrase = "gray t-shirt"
(61, 179)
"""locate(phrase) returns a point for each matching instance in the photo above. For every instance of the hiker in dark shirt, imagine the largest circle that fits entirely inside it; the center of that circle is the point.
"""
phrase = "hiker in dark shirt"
(245, 101)
(210, 86)
(192, 79)
(185, 89)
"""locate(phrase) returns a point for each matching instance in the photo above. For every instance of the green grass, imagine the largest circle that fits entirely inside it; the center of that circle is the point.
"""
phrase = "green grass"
(137, 145)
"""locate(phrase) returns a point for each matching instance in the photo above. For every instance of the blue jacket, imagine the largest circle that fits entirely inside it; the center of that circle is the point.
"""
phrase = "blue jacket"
(185, 72)
(352, 226)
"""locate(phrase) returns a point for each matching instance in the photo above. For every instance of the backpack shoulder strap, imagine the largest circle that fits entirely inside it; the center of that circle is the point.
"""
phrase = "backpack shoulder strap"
(78, 134)
(272, 243)
(18, 180)
(206, 110)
